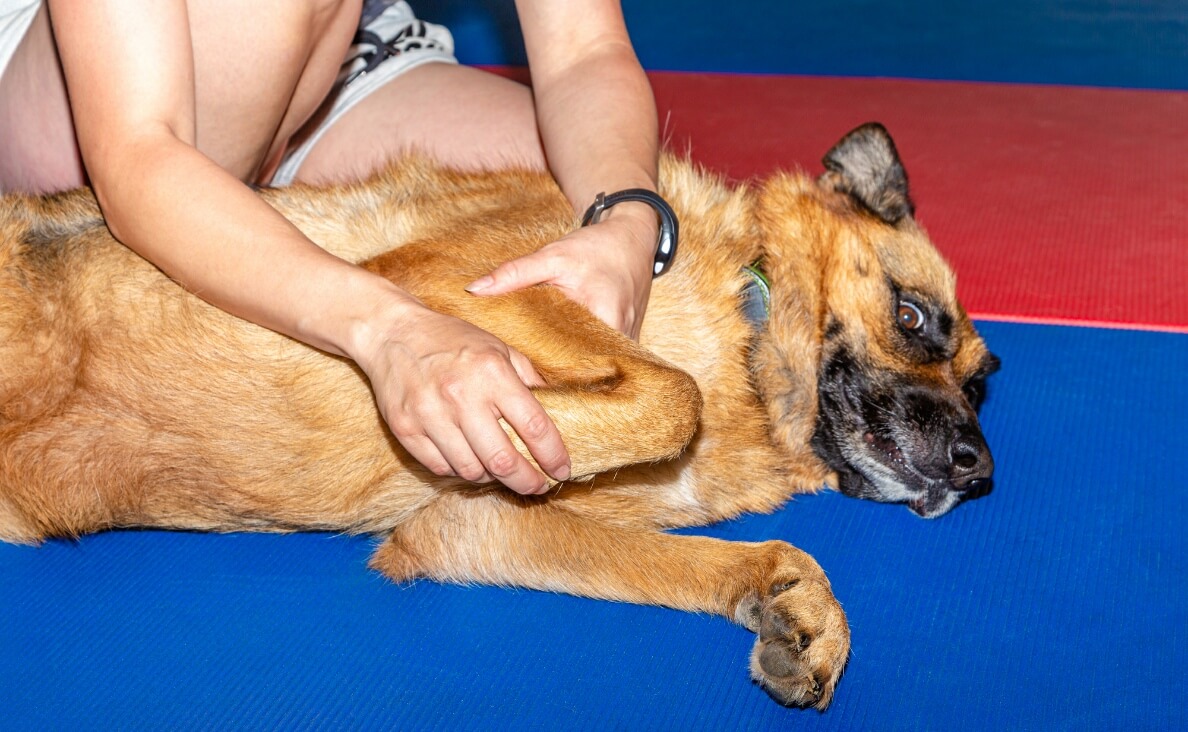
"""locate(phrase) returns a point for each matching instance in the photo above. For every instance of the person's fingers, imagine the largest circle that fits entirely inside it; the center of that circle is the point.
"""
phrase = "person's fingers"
(499, 457)
(524, 368)
(505, 396)
(471, 439)
(524, 414)
(445, 410)
(526, 271)
(459, 451)
(431, 437)
(426, 453)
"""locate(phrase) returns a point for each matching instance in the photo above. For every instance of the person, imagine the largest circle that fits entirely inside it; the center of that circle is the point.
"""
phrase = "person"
(172, 109)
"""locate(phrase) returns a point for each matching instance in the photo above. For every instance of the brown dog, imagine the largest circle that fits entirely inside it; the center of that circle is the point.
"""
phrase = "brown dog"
(125, 401)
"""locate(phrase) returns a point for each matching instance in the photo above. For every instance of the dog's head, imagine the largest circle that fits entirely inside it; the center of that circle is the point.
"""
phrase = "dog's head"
(899, 370)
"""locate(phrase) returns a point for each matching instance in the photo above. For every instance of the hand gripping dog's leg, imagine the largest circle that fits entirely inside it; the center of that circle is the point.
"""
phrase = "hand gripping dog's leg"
(614, 402)
(771, 587)
(625, 409)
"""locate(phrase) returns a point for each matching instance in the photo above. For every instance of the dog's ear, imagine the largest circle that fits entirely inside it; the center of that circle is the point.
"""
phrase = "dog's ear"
(866, 165)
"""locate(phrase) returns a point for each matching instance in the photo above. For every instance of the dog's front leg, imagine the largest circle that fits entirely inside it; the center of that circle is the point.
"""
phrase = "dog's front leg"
(771, 587)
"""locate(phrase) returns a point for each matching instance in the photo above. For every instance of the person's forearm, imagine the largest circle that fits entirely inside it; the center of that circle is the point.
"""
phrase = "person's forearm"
(201, 226)
(597, 119)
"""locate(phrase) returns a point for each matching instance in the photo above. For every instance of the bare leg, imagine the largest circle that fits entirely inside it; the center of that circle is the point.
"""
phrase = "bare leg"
(261, 70)
(464, 117)
(36, 132)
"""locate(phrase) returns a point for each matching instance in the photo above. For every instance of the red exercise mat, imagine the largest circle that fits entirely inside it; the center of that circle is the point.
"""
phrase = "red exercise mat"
(1054, 204)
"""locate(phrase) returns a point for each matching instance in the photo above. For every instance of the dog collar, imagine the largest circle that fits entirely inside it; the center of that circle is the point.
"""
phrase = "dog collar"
(756, 295)
(666, 241)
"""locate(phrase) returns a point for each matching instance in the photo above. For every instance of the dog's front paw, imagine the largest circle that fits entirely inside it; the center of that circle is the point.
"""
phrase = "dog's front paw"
(804, 639)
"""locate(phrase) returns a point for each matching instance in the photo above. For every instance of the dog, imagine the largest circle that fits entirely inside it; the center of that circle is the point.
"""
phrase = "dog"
(127, 402)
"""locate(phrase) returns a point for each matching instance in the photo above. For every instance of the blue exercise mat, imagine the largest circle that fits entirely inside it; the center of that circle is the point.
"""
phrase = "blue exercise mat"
(1057, 602)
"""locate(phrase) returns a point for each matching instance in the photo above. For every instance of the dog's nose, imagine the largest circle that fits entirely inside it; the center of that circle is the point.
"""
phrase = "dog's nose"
(971, 465)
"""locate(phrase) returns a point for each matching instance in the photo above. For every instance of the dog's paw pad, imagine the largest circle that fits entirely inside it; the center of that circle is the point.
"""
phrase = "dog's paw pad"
(803, 643)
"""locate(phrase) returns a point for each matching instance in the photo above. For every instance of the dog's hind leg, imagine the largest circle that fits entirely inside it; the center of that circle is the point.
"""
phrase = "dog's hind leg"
(621, 410)
(772, 588)
(614, 402)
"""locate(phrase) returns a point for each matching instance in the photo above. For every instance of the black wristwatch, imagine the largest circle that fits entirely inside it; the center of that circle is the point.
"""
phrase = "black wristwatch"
(666, 242)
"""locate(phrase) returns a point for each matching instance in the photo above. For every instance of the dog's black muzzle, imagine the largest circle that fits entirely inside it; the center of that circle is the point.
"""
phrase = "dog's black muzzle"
(897, 442)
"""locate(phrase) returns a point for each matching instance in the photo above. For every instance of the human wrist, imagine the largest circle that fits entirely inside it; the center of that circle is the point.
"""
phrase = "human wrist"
(640, 220)
(366, 312)
(635, 202)
(392, 316)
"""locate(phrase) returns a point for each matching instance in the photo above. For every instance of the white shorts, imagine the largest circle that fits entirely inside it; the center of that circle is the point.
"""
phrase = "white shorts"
(390, 41)
(15, 18)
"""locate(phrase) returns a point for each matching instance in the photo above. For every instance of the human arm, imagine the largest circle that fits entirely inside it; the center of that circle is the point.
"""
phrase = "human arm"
(441, 384)
(597, 121)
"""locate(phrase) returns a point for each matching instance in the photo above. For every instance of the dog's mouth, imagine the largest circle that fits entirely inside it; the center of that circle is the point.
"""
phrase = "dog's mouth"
(934, 504)
(886, 449)
(893, 440)
(883, 471)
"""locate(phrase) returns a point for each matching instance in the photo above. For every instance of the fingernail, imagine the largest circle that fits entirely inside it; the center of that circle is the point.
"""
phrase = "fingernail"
(480, 284)
(563, 473)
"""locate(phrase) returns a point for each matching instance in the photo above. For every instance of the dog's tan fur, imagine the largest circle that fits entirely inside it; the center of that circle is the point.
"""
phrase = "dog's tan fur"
(125, 401)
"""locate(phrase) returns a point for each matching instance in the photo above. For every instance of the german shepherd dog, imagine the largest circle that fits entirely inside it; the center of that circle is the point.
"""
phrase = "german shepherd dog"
(125, 401)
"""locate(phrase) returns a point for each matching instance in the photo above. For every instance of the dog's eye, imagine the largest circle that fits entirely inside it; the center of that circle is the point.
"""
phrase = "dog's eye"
(910, 316)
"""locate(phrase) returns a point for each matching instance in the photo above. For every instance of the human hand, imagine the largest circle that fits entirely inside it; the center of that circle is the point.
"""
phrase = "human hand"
(607, 267)
(442, 385)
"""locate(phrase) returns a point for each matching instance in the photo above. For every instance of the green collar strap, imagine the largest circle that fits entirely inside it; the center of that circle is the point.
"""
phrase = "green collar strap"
(756, 295)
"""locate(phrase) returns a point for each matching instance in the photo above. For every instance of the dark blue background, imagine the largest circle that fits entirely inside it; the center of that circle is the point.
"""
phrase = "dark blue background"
(1139, 44)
